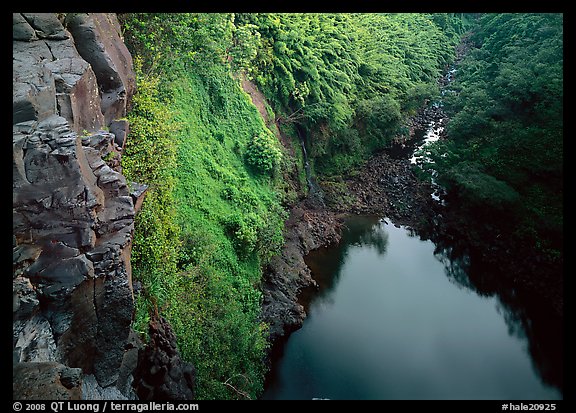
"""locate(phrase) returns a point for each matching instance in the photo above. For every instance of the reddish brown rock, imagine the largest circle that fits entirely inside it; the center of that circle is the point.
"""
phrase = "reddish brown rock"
(161, 373)
(99, 42)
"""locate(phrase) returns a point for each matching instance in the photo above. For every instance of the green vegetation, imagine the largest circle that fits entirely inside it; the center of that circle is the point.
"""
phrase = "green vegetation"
(503, 162)
(349, 79)
(156, 239)
(263, 152)
(212, 216)
(218, 176)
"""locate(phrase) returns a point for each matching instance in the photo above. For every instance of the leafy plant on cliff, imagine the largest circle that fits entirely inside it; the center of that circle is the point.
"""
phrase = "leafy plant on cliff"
(263, 153)
(156, 237)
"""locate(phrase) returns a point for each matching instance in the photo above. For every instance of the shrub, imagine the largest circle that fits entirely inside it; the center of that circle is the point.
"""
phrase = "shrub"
(263, 153)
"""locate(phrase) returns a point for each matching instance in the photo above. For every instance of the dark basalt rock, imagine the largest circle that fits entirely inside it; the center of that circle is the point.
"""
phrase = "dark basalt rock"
(77, 93)
(120, 129)
(161, 374)
(46, 25)
(71, 210)
(73, 220)
(111, 64)
(46, 381)
(33, 88)
(21, 29)
(34, 340)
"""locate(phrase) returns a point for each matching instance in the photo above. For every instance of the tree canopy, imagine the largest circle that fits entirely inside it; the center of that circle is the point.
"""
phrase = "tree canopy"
(352, 77)
(504, 154)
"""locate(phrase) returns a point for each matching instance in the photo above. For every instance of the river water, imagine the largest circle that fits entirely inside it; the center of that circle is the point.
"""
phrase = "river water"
(397, 318)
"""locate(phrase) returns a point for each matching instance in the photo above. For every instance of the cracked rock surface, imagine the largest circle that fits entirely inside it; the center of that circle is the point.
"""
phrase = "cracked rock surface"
(73, 213)
(73, 219)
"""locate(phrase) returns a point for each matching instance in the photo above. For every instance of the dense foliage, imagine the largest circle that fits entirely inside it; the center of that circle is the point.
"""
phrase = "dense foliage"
(218, 176)
(263, 152)
(212, 216)
(156, 240)
(349, 79)
(503, 162)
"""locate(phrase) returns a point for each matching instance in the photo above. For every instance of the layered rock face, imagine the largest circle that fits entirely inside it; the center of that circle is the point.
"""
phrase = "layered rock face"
(73, 213)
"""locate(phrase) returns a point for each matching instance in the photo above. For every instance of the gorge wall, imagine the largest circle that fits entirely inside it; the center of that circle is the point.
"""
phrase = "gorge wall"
(73, 215)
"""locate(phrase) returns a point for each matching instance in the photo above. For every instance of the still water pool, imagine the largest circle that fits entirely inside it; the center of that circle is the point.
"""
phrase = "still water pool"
(391, 321)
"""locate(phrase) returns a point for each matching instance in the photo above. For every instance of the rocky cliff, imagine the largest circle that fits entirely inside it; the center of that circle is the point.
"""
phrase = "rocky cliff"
(287, 274)
(73, 211)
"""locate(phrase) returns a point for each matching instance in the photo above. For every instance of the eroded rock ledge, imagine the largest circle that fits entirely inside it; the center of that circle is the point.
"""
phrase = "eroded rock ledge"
(306, 229)
(73, 216)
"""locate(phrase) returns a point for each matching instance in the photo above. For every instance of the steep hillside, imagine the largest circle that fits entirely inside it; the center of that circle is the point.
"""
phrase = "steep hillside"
(213, 215)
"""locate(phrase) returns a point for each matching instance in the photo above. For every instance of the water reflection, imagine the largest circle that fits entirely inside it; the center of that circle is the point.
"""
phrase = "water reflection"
(327, 263)
(365, 322)
(525, 315)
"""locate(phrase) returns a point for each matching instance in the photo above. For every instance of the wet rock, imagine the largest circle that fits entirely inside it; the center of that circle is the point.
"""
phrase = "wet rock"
(387, 187)
(56, 191)
(114, 312)
(67, 207)
(128, 366)
(24, 298)
(102, 142)
(24, 254)
(76, 325)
